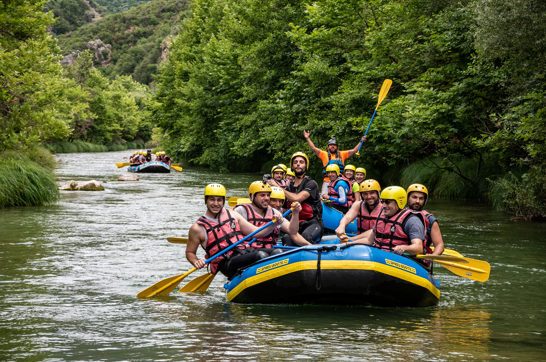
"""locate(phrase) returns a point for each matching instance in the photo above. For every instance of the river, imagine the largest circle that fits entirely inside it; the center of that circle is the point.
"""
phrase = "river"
(70, 273)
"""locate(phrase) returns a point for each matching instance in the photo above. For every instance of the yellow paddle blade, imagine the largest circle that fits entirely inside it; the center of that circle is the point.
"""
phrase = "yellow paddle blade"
(123, 164)
(177, 240)
(383, 92)
(175, 164)
(199, 284)
(177, 168)
(442, 257)
(475, 269)
(165, 286)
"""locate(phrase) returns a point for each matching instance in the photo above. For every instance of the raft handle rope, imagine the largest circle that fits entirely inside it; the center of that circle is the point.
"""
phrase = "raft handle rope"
(318, 279)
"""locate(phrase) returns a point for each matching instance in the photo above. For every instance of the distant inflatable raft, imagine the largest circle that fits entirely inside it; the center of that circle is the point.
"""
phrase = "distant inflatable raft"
(150, 167)
(330, 274)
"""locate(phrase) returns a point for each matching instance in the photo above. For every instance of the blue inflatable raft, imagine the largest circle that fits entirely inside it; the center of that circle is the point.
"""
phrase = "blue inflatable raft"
(332, 274)
(150, 167)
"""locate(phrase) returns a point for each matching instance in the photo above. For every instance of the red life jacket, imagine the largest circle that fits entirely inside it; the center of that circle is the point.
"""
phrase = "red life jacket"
(310, 207)
(366, 220)
(389, 232)
(332, 190)
(256, 219)
(221, 233)
(429, 220)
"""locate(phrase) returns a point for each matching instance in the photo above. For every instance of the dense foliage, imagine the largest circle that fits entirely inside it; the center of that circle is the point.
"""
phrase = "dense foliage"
(466, 110)
(118, 6)
(136, 38)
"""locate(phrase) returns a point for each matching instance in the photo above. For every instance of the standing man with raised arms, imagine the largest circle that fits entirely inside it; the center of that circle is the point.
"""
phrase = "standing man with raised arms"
(331, 156)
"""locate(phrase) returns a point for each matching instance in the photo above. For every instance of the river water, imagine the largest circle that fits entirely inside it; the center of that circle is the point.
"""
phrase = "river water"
(70, 273)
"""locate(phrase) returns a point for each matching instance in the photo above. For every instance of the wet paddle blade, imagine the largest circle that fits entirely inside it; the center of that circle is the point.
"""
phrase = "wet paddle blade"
(177, 240)
(177, 168)
(165, 286)
(123, 164)
(232, 201)
(450, 252)
(199, 284)
(475, 269)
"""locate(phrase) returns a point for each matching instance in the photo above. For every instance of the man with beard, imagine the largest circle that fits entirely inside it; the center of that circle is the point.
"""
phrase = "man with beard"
(331, 156)
(417, 198)
(305, 191)
(365, 211)
(258, 213)
(217, 230)
(397, 229)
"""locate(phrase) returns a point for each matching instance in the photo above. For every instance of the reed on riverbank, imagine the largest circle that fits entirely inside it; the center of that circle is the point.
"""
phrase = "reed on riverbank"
(27, 179)
(81, 146)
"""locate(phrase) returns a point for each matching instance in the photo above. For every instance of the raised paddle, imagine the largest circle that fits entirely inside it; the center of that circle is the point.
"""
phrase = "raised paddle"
(382, 94)
(165, 286)
(177, 240)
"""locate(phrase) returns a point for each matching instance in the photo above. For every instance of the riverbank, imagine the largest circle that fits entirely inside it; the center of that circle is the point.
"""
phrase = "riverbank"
(81, 146)
(26, 179)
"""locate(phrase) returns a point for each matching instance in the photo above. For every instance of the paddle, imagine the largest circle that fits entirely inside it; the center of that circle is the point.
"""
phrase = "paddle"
(382, 94)
(464, 267)
(201, 283)
(123, 164)
(234, 201)
(165, 286)
(177, 168)
(177, 240)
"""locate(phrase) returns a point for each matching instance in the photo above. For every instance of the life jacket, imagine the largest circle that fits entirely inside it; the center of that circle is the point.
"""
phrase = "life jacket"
(221, 234)
(389, 232)
(334, 160)
(256, 219)
(332, 190)
(310, 207)
(429, 220)
(367, 220)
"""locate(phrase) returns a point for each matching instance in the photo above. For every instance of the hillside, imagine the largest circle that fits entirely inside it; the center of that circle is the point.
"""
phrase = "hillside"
(132, 39)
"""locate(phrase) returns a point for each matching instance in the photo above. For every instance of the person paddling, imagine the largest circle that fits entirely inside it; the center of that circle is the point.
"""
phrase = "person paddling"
(331, 156)
(366, 211)
(417, 199)
(258, 212)
(218, 229)
(340, 192)
(397, 229)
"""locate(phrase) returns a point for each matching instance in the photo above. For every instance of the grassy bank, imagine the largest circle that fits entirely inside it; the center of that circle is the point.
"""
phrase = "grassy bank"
(27, 179)
(81, 146)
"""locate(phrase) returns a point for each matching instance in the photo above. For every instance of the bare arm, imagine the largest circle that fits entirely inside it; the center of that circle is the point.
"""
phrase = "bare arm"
(310, 143)
(346, 220)
(196, 236)
(355, 149)
(293, 227)
(415, 247)
(366, 238)
(248, 228)
(299, 197)
(437, 240)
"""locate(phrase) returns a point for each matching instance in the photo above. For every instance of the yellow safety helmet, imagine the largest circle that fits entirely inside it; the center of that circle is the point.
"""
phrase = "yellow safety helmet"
(215, 190)
(135, 152)
(278, 168)
(395, 193)
(333, 167)
(290, 172)
(277, 193)
(349, 167)
(300, 154)
(258, 186)
(370, 185)
(283, 166)
(360, 170)
(418, 188)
